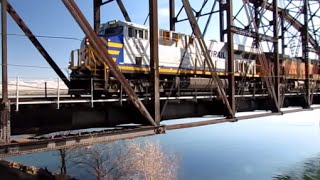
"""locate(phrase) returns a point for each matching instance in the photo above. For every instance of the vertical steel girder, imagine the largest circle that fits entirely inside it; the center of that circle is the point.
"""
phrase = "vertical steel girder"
(102, 50)
(5, 106)
(154, 60)
(172, 15)
(283, 45)
(123, 11)
(231, 89)
(207, 57)
(276, 51)
(221, 20)
(4, 63)
(257, 23)
(37, 44)
(96, 14)
(305, 53)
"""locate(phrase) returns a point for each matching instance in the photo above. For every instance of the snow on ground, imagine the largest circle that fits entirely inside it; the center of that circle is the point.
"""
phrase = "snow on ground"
(34, 86)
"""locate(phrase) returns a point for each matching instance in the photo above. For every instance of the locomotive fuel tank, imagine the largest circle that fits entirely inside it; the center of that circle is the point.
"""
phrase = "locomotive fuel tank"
(198, 83)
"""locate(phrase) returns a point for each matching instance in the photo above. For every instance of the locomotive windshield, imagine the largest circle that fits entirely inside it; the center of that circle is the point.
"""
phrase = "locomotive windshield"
(112, 31)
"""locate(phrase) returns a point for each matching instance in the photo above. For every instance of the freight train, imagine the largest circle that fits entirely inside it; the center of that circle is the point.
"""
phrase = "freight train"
(182, 66)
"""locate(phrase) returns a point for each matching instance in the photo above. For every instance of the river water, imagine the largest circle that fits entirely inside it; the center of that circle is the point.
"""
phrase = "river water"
(254, 149)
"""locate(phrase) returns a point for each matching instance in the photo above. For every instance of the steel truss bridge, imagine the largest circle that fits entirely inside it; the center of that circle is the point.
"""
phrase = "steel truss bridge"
(276, 27)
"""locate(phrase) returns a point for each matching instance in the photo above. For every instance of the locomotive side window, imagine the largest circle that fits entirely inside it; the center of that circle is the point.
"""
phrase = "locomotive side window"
(175, 36)
(113, 31)
(130, 32)
(140, 34)
(166, 35)
(137, 33)
(146, 35)
(190, 40)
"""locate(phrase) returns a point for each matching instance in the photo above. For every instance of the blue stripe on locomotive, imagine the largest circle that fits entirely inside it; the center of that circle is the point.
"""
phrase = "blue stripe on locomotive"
(116, 39)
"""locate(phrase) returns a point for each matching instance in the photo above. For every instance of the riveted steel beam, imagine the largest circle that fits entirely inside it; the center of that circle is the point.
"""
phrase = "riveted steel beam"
(154, 60)
(231, 88)
(252, 34)
(96, 14)
(5, 107)
(276, 51)
(172, 15)
(72, 141)
(37, 44)
(4, 51)
(221, 20)
(102, 51)
(123, 11)
(305, 54)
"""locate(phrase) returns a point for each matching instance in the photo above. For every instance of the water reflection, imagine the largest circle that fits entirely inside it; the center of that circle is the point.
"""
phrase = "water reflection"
(257, 149)
(307, 170)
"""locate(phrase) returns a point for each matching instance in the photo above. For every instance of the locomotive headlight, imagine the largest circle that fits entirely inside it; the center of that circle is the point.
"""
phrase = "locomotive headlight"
(82, 62)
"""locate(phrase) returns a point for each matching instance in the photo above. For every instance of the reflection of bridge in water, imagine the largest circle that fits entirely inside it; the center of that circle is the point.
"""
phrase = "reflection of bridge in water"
(261, 24)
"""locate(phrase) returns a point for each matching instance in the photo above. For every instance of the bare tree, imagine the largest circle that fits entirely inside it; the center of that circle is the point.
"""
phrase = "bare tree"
(130, 160)
(101, 161)
(148, 161)
(63, 160)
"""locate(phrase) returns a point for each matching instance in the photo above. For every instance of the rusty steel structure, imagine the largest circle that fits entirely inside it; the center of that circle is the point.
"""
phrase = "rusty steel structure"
(276, 27)
(5, 107)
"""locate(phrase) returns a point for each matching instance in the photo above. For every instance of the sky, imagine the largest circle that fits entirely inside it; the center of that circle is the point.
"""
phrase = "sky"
(51, 18)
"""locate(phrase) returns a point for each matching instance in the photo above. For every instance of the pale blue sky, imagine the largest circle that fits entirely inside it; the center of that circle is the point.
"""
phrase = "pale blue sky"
(50, 17)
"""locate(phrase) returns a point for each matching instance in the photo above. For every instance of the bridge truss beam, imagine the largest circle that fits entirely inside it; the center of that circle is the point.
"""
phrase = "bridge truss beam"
(154, 61)
(230, 41)
(5, 106)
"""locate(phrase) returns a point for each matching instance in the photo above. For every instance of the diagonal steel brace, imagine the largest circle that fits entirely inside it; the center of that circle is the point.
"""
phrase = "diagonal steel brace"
(123, 11)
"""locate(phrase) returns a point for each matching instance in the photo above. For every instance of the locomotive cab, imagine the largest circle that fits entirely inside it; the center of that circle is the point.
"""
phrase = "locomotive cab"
(85, 64)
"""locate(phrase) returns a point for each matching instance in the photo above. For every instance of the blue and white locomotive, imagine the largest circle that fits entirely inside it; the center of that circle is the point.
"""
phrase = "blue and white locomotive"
(128, 45)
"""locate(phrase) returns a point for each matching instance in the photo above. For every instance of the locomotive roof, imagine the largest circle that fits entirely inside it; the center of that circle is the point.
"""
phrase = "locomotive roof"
(139, 26)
